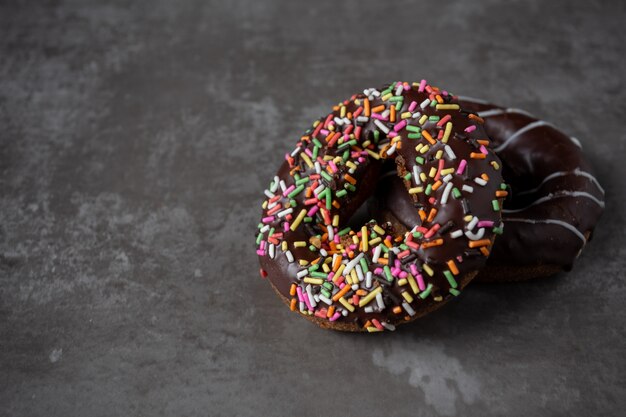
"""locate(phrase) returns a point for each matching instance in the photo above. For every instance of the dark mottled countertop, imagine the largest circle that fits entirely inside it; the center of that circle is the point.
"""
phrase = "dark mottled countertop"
(136, 139)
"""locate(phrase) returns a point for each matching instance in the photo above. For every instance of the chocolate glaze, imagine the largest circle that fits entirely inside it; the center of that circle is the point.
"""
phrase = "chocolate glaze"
(555, 201)
(282, 273)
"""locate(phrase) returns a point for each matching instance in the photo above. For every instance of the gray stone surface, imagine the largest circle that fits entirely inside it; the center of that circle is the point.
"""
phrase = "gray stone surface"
(136, 139)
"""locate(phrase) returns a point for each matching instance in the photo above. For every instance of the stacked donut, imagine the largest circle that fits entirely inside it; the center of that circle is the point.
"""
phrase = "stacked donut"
(435, 160)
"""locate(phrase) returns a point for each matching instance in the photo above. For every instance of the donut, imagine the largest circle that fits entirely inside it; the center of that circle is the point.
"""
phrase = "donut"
(368, 276)
(552, 209)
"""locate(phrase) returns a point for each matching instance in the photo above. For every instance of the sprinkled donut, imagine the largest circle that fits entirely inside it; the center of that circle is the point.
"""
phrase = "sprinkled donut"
(554, 205)
(370, 277)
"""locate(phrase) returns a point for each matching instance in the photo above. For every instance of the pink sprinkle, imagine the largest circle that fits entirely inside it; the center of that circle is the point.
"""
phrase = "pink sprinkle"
(307, 301)
(336, 239)
(485, 223)
(413, 269)
(328, 119)
(378, 271)
(289, 189)
(286, 226)
(262, 245)
(331, 274)
(404, 254)
(299, 292)
(420, 282)
(352, 247)
(422, 85)
(361, 159)
(406, 86)
(412, 106)
(268, 219)
(313, 210)
(397, 264)
(470, 129)
(403, 274)
(308, 152)
(399, 126)
(392, 134)
(260, 252)
(335, 317)
(324, 132)
(483, 149)
(379, 117)
(321, 313)
(357, 132)
(377, 324)
(412, 245)
(333, 167)
(461, 168)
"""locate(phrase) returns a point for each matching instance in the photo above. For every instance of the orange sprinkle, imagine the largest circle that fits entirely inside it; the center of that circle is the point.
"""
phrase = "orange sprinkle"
(397, 310)
(422, 214)
(366, 105)
(337, 262)
(378, 109)
(387, 243)
(292, 290)
(341, 292)
(439, 99)
(501, 193)
(477, 243)
(392, 114)
(331, 311)
(477, 155)
(484, 250)
(436, 242)
(350, 179)
(361, 292)
(453, 267)
(336, 204)
(484, 176)
(432, 214)
(437, 185)
(293, 303)
(428, 137)
(477, 118)
(383, 261)
(483, 142)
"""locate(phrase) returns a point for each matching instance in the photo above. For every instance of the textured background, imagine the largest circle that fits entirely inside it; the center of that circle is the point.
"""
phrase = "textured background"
(136, 139)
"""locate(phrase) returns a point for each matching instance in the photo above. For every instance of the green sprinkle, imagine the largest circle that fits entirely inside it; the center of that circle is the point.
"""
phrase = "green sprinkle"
(414, 135)
(346, 144)
(454, 292)
(417, 235)
(412, 128)
(350, 187)
(433, 103)
(495, 205)
(325, 292)
(433, 118)
(307, 219)
(427, 291)
(503, 186)
(329, 199)
(317, 143)
(364, 265)
(428, 189)
(376, 136)
(346, 155)
(302, 181)
(419, 160)
(319, 275)
(395, 98)
(344, 231)
(450, 279)
(388, 273)
(312, 248)
(326, 176)
(328, 286)
(408, 176)
(403, 246)
(259, 238)
(498, 230)
(399, 104)
(315, 150)
(314, 268)
(456, 193)
(295, 192)
(341, 193)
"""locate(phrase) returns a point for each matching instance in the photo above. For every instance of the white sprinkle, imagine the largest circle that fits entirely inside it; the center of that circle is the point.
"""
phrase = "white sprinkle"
(338, 121)
(319, 189)
(381, 126)
(289, 256)
(359, 273)
(352, 264)
(344, 312)
(375, 92)
(269, 194)
(355, 287)
(408, 308)
(476, 236)
(302, 305)
(446, 193)
(450, 152)
(385, 114)
(480, 181)
(272, 251)
(316, 297)
(392, 149)
(331, 232)
(376, 253)
(388, 326)
(310, 294)
(472, 223)
(283, 186)
(285, 212)
(416, 115)
(447, 178)
(323, 252)
(416, 175)
(456, 234)
(325, 299)
(369, 309)
(318, 167)
(296, 151)
(399, 89)
(424, 104)
(468, 188)
(274, 185)
(362, 119)
(265, 228)
(379, 301)
(368, 279)
(302, 274)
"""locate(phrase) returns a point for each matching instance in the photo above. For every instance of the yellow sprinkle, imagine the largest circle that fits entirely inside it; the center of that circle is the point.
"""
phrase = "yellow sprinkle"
(375, 241)
(317, 122)
(416, 190)
(365, 145)
(351, 165)
(432, 172)
(369, 297)
(340, 270)
(495, 165)
(418, 147)
(349, 280)
(298, 220)
(336, 220)
(468, 218)
(364, 237)
(446, 133)
(407, 296)
(315, 281)
(355, 239)
(325, 266)
(425, 149)
(354, 276)
(413, 284)
(303, 262)
(423, 119)
(402, 282)
(347, 305)
(373, 329)
(342, 112)
(264, 205)
(379, 230)
(306, 159)
(428, 269)
(299, 244)
(406, 115)
(423, 177)
(284, 246)
(386, 97)
(447, 107)
(439, 154)
(447, 171)
(373, 154)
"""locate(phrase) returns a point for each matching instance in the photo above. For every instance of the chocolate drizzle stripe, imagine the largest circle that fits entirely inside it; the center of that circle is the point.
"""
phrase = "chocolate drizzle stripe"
(576, 172)
(514, 136)
(551, 221)
(559, 194)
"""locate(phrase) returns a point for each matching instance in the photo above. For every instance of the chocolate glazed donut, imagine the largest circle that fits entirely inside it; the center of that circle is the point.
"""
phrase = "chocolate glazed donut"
(554, 204)
(373, 278)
